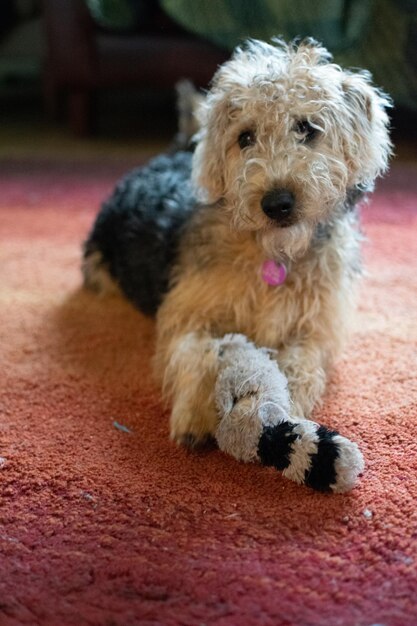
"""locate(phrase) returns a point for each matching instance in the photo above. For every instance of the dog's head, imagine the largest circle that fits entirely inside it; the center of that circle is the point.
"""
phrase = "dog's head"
(285, 137)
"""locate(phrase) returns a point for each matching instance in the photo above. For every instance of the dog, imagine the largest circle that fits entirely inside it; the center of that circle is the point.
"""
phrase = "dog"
(253, 240)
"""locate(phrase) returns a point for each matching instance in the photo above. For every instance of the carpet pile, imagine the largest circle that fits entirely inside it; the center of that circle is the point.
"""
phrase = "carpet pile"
(103, 521)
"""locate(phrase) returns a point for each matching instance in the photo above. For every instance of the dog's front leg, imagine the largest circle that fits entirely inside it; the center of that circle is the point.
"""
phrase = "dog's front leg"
(235, 391)
(304, 363)
(190, 371)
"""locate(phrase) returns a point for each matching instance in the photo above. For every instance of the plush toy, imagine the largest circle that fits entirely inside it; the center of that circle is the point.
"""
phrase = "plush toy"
(255, 426)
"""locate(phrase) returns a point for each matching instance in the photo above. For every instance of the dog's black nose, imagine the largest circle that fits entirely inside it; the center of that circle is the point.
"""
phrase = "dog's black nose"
(278, 205)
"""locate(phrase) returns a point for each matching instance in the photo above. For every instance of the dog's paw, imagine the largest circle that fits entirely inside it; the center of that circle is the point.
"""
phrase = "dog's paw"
(192, 427)
(193, 442)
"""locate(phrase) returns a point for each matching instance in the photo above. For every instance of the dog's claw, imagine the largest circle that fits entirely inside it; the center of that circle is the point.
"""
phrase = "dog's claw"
(193, 442)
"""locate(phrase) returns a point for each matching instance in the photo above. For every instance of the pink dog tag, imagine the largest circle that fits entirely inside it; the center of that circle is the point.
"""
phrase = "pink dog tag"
(273, 274)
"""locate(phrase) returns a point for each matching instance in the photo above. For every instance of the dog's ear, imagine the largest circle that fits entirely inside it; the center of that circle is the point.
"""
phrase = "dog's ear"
(189, 100)
(364, 127)
(210, 153)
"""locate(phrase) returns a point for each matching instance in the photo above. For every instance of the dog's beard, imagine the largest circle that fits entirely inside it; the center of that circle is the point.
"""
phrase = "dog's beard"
(285, 243)
(277, 242)
(315, 204)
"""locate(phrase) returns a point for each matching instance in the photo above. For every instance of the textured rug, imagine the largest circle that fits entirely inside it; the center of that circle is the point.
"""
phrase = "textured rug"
(103, 521)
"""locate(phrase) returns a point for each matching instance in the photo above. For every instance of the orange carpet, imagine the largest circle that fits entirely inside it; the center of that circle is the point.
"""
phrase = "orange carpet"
(103, 521)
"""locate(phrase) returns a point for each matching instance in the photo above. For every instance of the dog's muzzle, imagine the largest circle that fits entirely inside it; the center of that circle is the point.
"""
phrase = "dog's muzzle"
(278, 205)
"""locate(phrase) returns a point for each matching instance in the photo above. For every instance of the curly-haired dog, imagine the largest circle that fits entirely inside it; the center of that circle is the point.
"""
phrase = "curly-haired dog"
(256, 276)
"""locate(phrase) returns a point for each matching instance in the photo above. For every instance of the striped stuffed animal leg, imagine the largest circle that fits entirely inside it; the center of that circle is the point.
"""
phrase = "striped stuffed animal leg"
(253, 403)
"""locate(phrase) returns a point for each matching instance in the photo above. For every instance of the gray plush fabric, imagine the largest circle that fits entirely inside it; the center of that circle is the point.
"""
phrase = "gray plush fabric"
(253, 403)
(250, 393)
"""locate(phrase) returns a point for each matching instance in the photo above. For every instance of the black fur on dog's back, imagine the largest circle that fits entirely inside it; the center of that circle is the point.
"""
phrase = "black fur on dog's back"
(138, 228)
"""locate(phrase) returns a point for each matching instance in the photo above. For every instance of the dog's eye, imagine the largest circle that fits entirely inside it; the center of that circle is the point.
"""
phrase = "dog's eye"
(306, 130)
(247, 138)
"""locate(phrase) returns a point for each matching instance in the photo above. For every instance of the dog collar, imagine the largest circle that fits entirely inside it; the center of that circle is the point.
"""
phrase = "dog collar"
(274, 273)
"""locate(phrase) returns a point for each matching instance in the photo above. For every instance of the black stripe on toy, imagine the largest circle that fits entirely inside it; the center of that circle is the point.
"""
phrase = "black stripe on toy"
(322, 473)
(275, 445)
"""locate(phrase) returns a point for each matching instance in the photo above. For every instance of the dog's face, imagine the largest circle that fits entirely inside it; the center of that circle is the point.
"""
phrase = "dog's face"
(285, 136)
